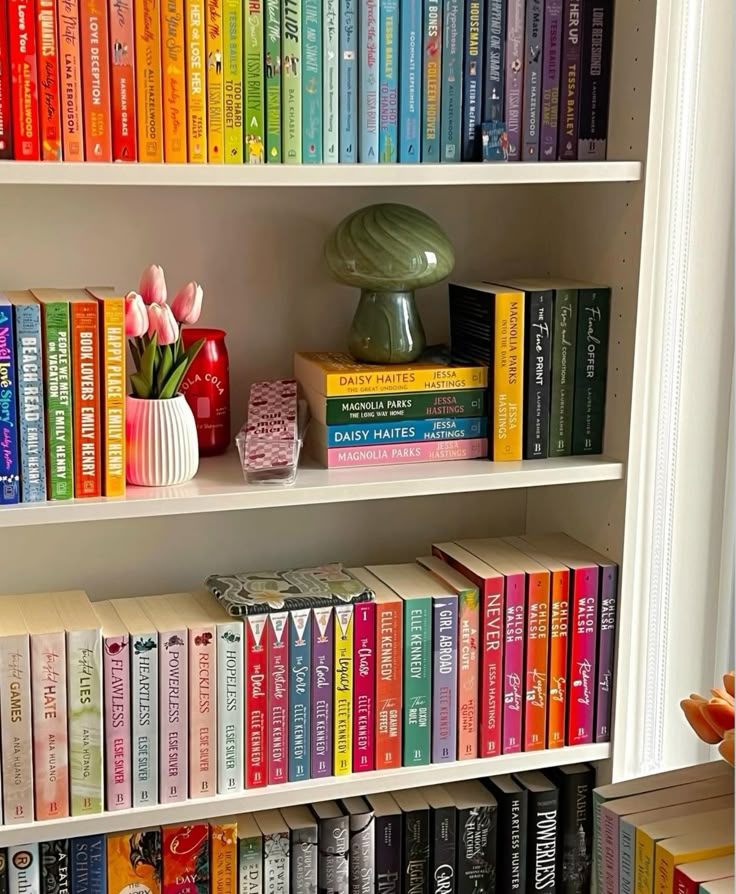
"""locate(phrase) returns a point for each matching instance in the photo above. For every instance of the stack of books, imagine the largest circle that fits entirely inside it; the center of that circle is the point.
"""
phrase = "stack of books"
(367, 415)
(527, 832)
(667, 834)
(62, 394)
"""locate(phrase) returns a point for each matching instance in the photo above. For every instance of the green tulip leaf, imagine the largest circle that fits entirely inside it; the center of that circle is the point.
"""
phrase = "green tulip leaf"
(174, 380)
(135, 354)
(166, 362)
(141, 387)
(148, 360)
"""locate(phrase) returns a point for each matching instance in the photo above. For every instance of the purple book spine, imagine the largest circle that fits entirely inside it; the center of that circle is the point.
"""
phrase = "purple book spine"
(567, 149)
(583, 641)
(323, 660)
(551, 62)
(514, 75)
(607, 610)
(513, 663)
(444, 679)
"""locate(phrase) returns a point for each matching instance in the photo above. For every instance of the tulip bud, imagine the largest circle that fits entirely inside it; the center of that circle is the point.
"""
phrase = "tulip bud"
(136, 317)
(161, 322)
(153, 285)
(187, 305)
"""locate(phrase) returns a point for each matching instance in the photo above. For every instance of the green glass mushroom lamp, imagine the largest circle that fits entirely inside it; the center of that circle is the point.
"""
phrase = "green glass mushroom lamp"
(388, 251)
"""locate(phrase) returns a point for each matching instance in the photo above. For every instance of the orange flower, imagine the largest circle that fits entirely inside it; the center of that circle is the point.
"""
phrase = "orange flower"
(713, 720)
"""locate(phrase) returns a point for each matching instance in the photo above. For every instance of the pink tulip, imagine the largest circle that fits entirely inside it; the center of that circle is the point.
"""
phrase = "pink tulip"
(187, 305)
(153, 285)
(162, 322)
(136, 317)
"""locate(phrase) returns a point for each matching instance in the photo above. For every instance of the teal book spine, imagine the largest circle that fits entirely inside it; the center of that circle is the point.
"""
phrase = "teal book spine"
(291, 80)
(29, 350)
(348, 78)
(330, 75)
(368, 22)
(388, 83)
(312, 82)
(431, 81)
(452, 80)
(273, 66)
(417, 681)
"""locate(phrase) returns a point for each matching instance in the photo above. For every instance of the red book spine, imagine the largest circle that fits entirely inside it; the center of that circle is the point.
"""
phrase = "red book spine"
(583, 635)
(364, 698)
(48, 81)
(558, 648)
(95, 51)
(537, 650)
(278, 697)
(256, 702)
(6, 118)
(70, 69)
(389, 633)
(24, 79)
(684, 885)
(122, 80)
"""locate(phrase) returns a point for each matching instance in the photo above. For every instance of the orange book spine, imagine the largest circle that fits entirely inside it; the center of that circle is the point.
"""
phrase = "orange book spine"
(388, 685)
(558, 646)
(174, 81)
(122, 80)
(537, 652)
(48, 80)
(196, 82)
(95, 50)
(148, 80)
(70, 69)
(86, 381)
(224, 856)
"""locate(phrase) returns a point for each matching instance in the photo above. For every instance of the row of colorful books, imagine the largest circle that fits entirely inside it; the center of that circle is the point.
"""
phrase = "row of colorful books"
(304, 80)
(488, 647)
(671, 833)
(62, 400)
(527, 832)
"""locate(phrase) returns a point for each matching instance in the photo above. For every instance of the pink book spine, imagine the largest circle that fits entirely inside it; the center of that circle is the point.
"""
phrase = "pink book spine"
(468, 622)
(513, 663)
(202, 711)
(414, 452)
(491, 690)
(364, 657)
(174, 727)
(583, 633)
(50, 739)
(278, 698)
(116, 689)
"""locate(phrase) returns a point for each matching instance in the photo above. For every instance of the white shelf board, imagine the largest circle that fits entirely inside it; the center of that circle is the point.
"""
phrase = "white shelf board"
(92, 174)
(298, 793)
(219, 487)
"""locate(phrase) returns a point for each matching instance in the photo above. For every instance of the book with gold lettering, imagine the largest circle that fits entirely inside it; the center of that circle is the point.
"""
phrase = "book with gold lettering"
(224, 855)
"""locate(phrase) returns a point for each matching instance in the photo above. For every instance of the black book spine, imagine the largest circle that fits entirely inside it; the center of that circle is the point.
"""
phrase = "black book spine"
(537, 374)
(575, 859)
(512, 843)
(388, 854)
(416, 852)
(595, 85)
(333, 871)
(362, 854)
(3, 870)
(542, 841)
(444, 835)
(303, 861)
(591, 369)
(476, 851)
(55, 875)
(494, 61)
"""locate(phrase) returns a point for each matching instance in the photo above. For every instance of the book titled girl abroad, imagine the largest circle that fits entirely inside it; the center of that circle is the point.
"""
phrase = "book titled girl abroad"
(278, 698)
(368, 20)
(343, 689)
(256, 699)
(323, 663)
(364, 695)
(348, 81)
(300, 655)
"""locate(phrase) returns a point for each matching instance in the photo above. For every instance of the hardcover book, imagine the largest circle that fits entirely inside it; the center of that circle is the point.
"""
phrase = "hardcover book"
(410, 81)
(512, 833)
(95, 52)
(256, 699)
(300, 671)
(24, 873)
(343, 699)
(364, 699)
(304, 854)
(312, 82)
(388, 81)
(476, 835)
(323, 672)
(415, 840)
(368, 83)
(564, 340)
(472, 81)
(348, 82)
(551, 64)
(196, 73)
(134, 864)
(224, 855)
(173, 77)
(387, 818)
(250, 855)
(494, 70)
(392, 407)
(432, 81)
(215, 47)
(443, 832)
(362, 831)
(255, 133)
(149, 81)
(333, 872)
(291, 80)
(532, 107)
(54, 865)
(575, 783)
(10, 462)
(595, 81)
(277, 735)
(567, 148)
(233, 93)
(24, 80)
(330, 81)
(401, 432)
(591, 367)
(89, 865)
(273, 65)
(70, 67)
(542, 830)
(85, 332)
(514, 77)
(6, 122)
(451, 129)
(48, 80)
(122, 80)
(186, 859)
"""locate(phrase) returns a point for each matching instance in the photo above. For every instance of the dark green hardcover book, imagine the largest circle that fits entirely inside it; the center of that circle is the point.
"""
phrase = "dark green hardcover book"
(564, 338)
(378, 407)
(273, 64)
(591, 367)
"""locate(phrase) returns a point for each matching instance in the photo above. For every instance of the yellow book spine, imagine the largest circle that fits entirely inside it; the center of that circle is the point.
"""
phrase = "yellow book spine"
(233, 46)
(196, 82)
(405, 380)
(224, 856)
(508, 380)
(113, 340)
(664, 873)
(148, 80)
(644, 863)
(174, 81)
(343, 688)
(215, 81)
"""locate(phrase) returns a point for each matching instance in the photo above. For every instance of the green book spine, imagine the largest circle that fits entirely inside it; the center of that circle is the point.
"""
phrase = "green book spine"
(273, 81)
(591, 367)
(417, 681)
(59, 400)
(255, 137)
(291, 81)
(422, 405)
(233, 82)
(564, 337)
(312, 82)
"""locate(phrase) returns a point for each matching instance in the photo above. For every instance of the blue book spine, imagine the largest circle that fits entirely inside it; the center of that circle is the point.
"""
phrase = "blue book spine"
(368, 22)
(452, 80)
(312, 82)
(472, 94)
(32, 428)
(388, 82)
(448, 429)
(410, 68)
(431, 80)
(330, 72)
(300, 657)
(9, 472)
(89, 865)
(348, 118)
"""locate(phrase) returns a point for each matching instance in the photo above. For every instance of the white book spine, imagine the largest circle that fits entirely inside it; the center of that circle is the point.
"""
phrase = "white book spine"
(84, 676)
(145, 700)
(24, 875)
(174, 732)
(17, 737)
(230, 707)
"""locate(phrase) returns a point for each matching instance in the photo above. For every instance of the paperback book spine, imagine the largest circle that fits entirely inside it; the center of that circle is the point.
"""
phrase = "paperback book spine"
(343, 703)
(174, 731)
(567, 148)
(300, 658)
(508, 384)
(312, 82)
(410, 75)
(95, 50)
(537, 373)
(173, 75)
(273, 64)
(202, 711)
(606, 650)
(368, 23)
(112, 319)
(186, 858)
(417, 681)
(558, 654)
(214, 43)
(48, 81)
(278, 698)
(542, 840)
(468, 628)
(416, 852)
(551, 63)
(432, 82)
(444, 679)
(388, 685)
(6, 116)
(595, 83)
(24, 873)
(291, 80)
(333, 872)
(84, 673)
(532, 78)
(223, 856)
(472, 81)
(230, 707)
(365, 674)
(492, 687)
(476, 854)
(461, 404)
(59, 400)
(388, 81)
(564, 340)
(148, 80)
(348, 82)
(10, 462)
(512, 839)
(122, 80)
(116, 689)
(303, 860)
(411, 452)
(196, 82)
(256, 701)
(70, 67)
(453, 22)
(362, 853)
(494, 68)
(514, 76)
(29, 350)
(255, 133)
(323, 664)
(17, 734)
(513, 664)
(24, 79)
(86, 402)
(250, 865)
(55, 867)
(583, 635)
(443, 827)
(330, 82)
(233, 80)
(144, 675)
(396, 433)
(537, 655)
(591, 362)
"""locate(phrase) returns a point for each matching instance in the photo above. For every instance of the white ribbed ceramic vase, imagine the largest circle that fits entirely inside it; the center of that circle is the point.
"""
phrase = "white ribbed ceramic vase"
(161, 441)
